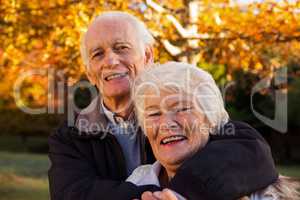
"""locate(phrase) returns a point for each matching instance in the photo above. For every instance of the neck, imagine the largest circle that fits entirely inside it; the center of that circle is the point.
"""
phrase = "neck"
(119, 105)
(165, 176)
(170, 171)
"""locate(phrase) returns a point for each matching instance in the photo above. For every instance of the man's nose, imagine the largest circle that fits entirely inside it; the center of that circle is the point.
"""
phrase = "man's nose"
(110, 60)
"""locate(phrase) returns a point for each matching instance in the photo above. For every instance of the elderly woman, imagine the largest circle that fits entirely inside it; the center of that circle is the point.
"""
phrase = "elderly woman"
(181, 111)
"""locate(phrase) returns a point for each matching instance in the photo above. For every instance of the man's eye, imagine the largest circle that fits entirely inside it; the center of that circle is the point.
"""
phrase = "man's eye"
(120, 48)
(98, 54)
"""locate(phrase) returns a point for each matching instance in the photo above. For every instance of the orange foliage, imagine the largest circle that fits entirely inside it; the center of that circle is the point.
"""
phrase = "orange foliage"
(46, 34)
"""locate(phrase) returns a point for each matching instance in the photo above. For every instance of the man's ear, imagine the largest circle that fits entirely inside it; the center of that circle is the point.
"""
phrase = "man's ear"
(91, 77)
(149, 56)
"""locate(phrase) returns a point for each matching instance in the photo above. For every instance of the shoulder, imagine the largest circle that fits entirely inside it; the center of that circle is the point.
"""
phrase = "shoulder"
(62, 134)
(64, 140)
(139, 173)
(68, 140)
(239, 126)
(145, 175)
(237, 130)
(90, 117)
(283, 188)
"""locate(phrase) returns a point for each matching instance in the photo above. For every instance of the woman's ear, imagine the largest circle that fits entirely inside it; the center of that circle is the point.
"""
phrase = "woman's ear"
(149, 57)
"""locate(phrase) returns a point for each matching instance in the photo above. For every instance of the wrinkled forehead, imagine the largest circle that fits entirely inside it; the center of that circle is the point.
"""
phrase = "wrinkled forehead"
(110, 29)
(165, 97)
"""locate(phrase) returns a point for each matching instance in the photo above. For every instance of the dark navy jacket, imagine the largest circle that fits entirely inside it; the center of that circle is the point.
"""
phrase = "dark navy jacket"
(91, 166)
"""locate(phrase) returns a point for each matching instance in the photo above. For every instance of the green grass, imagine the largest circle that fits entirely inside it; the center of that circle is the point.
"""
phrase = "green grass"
(23, 176)
(290, 170)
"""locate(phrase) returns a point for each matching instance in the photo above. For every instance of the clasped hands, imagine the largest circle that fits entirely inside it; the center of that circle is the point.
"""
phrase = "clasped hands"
(165, 194)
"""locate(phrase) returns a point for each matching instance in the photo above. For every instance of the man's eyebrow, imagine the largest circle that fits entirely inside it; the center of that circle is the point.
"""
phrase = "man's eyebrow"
(121, 42)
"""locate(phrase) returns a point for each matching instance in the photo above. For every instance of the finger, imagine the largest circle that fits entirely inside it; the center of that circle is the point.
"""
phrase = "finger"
(148, 196)
(157, 194)
(168, 195)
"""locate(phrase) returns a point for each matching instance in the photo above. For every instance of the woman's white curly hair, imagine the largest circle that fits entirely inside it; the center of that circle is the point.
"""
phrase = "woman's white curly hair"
(186, 78)
(285, 188)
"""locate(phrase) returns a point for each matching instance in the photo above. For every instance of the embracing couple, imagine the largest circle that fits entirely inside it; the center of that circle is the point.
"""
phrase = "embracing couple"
(155, 132)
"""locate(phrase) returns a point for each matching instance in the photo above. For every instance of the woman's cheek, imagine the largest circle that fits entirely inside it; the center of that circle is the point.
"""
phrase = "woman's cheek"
(153, 125)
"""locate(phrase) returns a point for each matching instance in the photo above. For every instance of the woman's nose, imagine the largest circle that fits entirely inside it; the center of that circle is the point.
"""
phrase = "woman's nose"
(168, 122)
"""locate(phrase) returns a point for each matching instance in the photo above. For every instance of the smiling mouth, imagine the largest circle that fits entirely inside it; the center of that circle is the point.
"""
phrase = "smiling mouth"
(172, 139)
(115, 76)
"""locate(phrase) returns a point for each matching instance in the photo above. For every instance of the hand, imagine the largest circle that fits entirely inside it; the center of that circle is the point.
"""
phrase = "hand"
(166, 194)
(147, 196)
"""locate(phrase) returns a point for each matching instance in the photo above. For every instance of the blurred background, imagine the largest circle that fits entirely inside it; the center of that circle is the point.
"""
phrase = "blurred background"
(242, 43)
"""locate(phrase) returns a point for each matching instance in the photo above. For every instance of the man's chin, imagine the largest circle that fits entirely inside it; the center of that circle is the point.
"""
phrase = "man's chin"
(116, 92)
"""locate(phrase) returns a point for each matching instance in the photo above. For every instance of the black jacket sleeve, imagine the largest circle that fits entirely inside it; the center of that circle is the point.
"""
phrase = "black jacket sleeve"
(229, 167)
(71, 176)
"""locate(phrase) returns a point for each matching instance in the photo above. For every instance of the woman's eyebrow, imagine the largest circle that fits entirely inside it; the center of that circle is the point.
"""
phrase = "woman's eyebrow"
(151, 107)
(182, 103)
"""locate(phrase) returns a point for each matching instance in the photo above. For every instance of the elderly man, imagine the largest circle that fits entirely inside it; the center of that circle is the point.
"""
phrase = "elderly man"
(92, 158)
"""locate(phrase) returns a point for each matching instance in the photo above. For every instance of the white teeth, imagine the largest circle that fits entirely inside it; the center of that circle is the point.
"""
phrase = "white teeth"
(113, 76)
(172, 139)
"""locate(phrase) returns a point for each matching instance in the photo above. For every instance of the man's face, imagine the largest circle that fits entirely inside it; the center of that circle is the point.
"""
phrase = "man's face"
(116, 55)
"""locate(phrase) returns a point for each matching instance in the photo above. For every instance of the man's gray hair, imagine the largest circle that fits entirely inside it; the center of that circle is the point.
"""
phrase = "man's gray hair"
(188, 79)
(141, 30)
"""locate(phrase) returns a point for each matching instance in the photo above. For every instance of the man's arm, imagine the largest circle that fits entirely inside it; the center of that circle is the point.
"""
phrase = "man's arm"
(229, 167)
(72, 176)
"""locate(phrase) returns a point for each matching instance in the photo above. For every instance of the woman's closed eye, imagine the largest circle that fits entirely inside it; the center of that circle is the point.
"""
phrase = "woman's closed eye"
(183, 109)
(153, 114)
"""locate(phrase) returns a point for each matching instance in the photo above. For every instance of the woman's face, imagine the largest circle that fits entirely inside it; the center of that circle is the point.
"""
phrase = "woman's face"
(175, 126)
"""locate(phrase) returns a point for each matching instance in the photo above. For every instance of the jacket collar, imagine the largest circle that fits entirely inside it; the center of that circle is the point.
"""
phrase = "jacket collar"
(92, 119)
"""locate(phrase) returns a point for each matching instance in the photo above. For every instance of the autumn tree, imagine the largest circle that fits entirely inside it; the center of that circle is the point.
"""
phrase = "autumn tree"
(217, 35)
